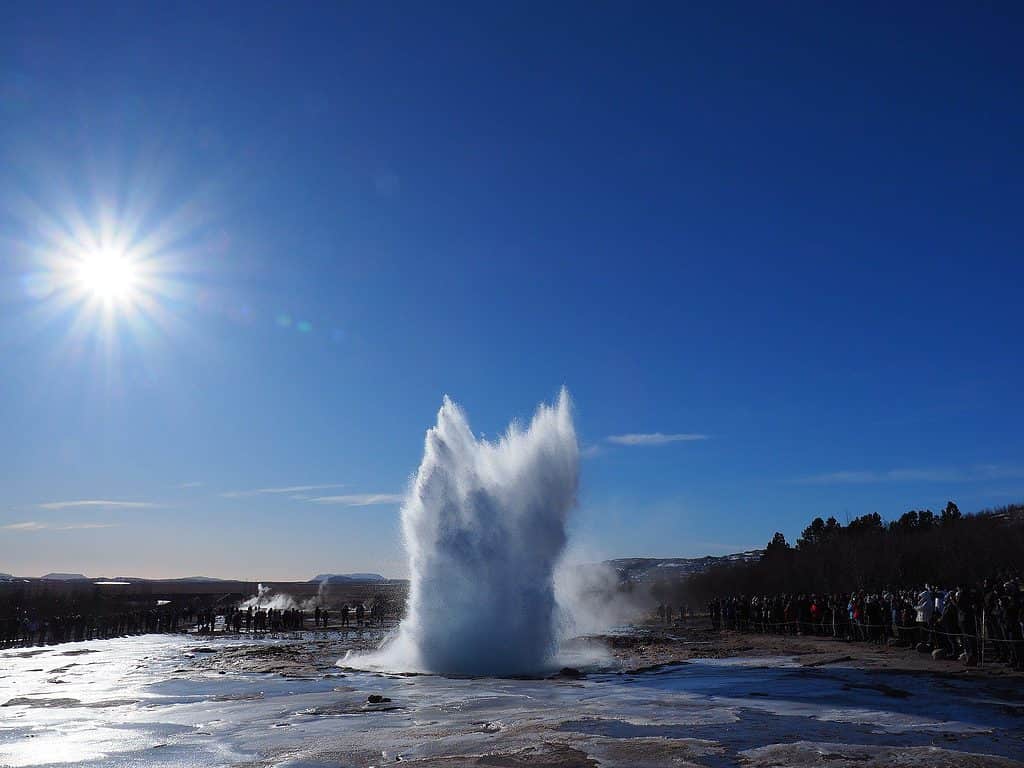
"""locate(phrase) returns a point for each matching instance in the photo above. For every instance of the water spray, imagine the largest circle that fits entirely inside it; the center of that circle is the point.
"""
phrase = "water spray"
(484, 525)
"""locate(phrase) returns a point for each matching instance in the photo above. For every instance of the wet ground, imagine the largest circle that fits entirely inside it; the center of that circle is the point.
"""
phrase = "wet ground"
(184, 701)
(651, 643)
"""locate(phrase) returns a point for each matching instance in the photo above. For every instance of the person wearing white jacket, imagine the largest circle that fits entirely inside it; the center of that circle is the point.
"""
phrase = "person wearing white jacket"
(925, 608)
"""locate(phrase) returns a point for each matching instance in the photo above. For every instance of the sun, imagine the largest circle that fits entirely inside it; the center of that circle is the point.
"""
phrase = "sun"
(108, 275)
(116, 279)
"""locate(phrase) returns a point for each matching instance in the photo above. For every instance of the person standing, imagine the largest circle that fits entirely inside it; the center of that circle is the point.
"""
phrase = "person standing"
(925, 607)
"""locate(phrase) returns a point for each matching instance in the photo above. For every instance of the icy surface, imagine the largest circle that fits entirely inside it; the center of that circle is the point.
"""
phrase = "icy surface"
(177, 701)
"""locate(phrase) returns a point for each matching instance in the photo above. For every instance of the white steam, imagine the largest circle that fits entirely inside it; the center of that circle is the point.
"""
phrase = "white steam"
(592, 599)
(484, 526)
(267, 598)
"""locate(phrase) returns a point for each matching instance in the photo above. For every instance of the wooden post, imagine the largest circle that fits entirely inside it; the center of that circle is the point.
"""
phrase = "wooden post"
(984, 634)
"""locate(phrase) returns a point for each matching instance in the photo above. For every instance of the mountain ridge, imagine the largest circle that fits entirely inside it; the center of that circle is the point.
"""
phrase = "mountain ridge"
(646, 569)
(336, 577)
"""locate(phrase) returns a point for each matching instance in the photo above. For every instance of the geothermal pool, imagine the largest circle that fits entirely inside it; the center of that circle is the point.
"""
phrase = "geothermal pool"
(165, 700)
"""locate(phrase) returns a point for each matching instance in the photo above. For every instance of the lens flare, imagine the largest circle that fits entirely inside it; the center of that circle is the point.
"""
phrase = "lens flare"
(107, 275)
(111, 266)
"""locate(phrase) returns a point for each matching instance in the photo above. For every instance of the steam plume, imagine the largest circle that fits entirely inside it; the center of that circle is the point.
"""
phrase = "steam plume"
(484, 527)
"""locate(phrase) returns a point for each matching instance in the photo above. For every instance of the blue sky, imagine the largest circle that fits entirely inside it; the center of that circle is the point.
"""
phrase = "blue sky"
(791, 235)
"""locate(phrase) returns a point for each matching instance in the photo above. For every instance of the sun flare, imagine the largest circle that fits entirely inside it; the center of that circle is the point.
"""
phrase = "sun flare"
(107, 275)
(112, 278)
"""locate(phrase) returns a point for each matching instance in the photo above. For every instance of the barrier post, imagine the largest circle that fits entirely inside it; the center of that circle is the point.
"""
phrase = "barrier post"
(984, 636)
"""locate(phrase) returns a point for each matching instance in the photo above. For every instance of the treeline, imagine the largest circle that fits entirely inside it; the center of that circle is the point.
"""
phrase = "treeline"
(868, 553)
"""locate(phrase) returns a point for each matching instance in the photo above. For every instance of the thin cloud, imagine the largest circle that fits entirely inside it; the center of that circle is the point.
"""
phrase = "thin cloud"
(106, 503)
(842, 477)
(928, 476)
(590, 451)
(291, 489)
(973, 474)
(654, 438)
(360, 499)
(301, 488)
(32, 525)
(1001, 471)
(1006, 492)
(190, 485)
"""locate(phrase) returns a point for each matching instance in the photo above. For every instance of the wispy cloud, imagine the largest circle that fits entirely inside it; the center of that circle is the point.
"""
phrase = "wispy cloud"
(591, 450)
(973, 474)
(845, 476)
(1017, 493)
(290, 489)
(360, 499)
(105, 503)
(654, 438)
(190, 485)
(1001, 471)
(32, 525)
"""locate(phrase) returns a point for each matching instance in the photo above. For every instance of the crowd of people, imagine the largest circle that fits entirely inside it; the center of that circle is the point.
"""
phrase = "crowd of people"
(969, 623)
(27, 628)
(254, 619)
(24, 626)
(666, 613)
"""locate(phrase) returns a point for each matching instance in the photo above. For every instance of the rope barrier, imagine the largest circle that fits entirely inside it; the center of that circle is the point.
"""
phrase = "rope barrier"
(862, 625)
(853, 623)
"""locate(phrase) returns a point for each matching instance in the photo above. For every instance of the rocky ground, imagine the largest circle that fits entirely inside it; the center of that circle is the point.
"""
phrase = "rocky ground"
(644, 646)
(652, 645)
(283, 702)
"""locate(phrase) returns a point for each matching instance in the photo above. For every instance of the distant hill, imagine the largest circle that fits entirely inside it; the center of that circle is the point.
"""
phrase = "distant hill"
(647, 569)
(64, 577)
(204, 579)
(331, 578)
(6, 577)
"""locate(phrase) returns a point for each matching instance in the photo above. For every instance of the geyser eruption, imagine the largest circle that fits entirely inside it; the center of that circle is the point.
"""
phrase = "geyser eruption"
(484, 526)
